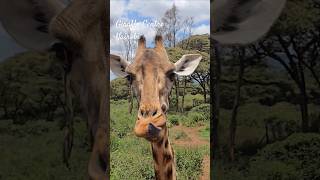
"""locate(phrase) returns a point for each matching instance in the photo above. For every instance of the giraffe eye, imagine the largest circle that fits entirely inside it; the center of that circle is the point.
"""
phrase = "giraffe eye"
(130, 78)
(171, 75)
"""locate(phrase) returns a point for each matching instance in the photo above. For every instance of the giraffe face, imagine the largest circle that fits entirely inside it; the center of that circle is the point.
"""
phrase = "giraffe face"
(151, 76)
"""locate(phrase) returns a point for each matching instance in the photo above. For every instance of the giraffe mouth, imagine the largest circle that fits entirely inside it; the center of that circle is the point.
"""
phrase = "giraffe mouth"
(150, 128)
(153, 132)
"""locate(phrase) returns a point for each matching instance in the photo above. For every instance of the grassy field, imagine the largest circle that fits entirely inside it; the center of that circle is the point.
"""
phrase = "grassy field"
(34, 151)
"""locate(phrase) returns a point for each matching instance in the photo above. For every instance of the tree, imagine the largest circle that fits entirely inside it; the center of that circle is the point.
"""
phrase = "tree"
(171, 25)
(215, 73)
(292, 43)
(129, 44)
(187, 27)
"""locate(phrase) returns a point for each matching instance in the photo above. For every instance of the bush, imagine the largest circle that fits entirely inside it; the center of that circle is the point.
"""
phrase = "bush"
(297, 157)
(204, 109)
(136, 164)
(174, 119)
(198, 115)
(189, 163)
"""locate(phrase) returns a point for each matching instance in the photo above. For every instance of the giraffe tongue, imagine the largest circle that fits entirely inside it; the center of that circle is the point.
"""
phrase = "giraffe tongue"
(153, 131)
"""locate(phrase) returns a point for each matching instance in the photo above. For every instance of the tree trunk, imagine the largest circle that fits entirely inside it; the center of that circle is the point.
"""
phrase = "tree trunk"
(204, 93)
(215, 73)
(184, 93)
(303, 100)
(233, 123)
(177, 94)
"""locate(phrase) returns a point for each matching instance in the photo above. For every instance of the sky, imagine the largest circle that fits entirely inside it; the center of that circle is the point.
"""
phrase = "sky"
(8, 47)
(139, 14)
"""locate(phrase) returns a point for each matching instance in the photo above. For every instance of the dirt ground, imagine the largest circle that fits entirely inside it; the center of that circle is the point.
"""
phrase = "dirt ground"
(194, 140)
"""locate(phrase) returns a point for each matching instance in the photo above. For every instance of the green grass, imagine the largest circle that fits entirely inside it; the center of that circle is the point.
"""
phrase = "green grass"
(205, 133)
(34, 151)
(180, 135)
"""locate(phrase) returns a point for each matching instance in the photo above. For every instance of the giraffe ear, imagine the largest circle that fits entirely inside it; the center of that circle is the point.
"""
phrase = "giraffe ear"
(187, 64)
(27, 21)
(118, 65)
(243, 22)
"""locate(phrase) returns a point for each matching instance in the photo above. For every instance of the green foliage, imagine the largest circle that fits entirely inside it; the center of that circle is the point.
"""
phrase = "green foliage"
(131, 157)
(189, 163)
(297, 157)
(122, 122)
(204, 109)
(33, 151)
(31, 87)
(199, 115)
(298, 16)
(119, 89)
(205, 133)
(174, 119)
(192, 100)
(196, 42)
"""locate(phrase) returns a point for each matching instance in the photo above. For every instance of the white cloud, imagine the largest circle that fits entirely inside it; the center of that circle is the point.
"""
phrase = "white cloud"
(117, 8)
(199, 10)
(152, 8)
(202, 29)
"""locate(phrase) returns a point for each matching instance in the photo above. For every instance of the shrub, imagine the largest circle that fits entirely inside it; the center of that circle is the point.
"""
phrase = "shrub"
(174, 119)
(189, 163)
(297, 157)
(198, 115)
(204, 109)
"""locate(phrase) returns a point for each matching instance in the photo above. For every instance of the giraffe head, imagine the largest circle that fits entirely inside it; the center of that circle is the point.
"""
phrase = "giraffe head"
(151, 76)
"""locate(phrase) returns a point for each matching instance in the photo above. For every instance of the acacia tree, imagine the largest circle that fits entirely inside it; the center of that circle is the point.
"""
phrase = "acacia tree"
(245, 58)
(292, 43)
(202, 75)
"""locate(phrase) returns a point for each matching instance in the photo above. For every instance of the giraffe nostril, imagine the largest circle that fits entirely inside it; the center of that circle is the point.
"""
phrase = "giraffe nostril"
(142, 113)
(164, 108)
(154, 113)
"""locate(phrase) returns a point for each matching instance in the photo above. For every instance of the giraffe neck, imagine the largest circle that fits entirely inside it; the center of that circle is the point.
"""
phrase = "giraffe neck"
(164, 161)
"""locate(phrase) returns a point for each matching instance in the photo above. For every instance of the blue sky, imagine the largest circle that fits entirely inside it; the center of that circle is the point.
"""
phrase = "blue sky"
(153, 10)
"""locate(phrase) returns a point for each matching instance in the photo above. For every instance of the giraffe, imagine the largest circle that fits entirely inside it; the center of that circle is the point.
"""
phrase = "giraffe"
(75, 33)
(151, 76)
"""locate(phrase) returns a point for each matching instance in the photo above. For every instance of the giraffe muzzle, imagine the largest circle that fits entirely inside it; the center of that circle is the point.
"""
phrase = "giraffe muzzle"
(150, 128)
